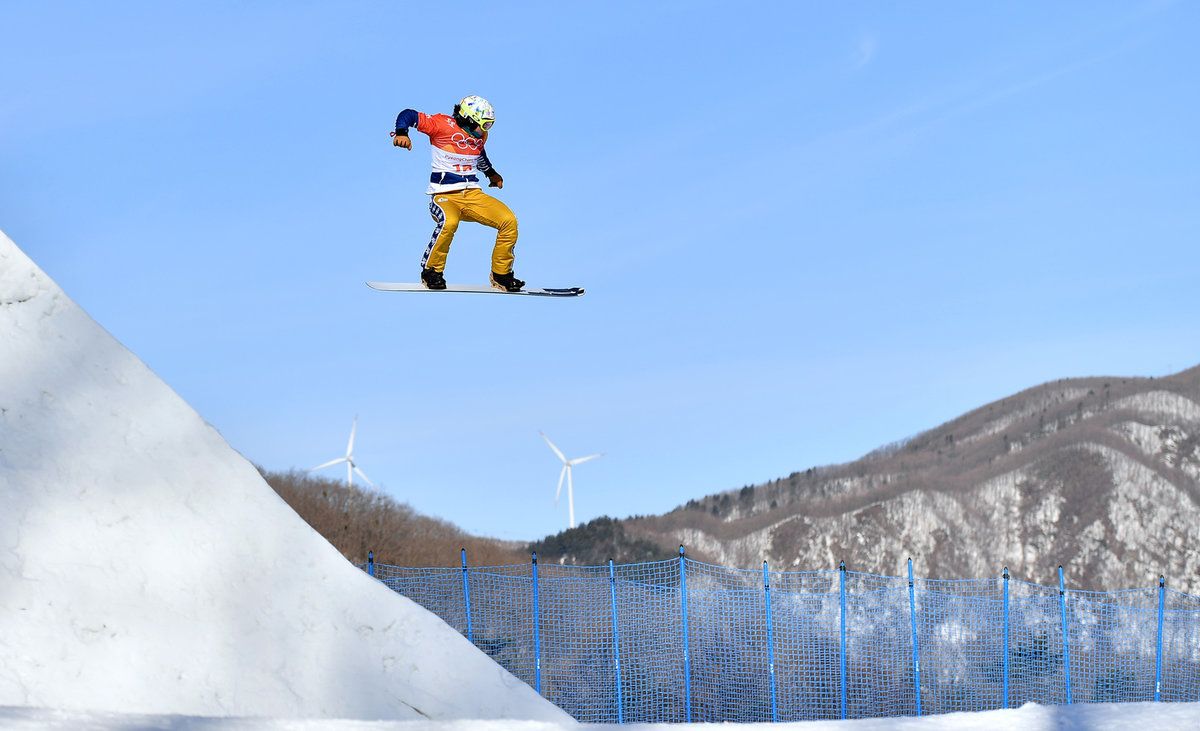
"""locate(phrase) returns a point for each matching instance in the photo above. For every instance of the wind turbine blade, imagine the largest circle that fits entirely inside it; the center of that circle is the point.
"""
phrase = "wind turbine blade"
(581, 460)
(557, 451)
(558, 492)
(362, 475)
(353, 428)
(330, 463)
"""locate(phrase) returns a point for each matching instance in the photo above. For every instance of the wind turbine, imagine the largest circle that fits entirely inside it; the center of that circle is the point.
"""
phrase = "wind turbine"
(566, 472)
(351, 468)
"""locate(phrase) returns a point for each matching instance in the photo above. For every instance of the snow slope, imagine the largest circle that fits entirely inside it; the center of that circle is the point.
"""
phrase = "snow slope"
(1030, 717)
(145, 567)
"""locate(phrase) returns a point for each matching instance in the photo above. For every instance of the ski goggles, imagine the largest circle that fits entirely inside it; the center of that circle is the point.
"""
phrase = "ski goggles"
(487, 124)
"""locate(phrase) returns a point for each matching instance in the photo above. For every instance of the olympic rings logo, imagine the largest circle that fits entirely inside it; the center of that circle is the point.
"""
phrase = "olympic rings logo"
(463, 142)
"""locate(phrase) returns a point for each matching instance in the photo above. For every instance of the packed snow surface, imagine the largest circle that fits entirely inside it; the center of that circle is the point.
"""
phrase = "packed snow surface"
(1031, 717)
(145, 566)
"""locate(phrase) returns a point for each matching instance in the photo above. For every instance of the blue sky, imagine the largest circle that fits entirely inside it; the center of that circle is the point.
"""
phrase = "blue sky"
(806, 229)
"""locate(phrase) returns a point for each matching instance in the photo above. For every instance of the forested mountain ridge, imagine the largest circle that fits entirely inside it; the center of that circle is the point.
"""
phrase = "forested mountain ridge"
(1101, 475)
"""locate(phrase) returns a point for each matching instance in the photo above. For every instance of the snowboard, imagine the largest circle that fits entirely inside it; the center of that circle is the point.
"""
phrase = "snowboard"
(476, 288)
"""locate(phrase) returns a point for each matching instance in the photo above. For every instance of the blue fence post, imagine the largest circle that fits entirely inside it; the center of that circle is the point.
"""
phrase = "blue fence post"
(612, 588)
(842, 598)
(687, 659)
(537, 638)
(371, 564)
(467, 597)
(912, 618)
(1062, 608)
(1006, 634)
(770, 643)
(1162, 596)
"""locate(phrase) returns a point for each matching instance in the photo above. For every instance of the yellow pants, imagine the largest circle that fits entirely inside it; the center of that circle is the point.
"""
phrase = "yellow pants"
(474, 205)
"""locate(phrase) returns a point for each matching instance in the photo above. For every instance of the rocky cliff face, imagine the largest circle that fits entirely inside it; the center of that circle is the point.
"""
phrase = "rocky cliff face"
(1101, 475)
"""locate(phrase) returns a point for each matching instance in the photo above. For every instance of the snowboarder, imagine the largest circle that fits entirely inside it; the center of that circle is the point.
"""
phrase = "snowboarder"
(457, 143)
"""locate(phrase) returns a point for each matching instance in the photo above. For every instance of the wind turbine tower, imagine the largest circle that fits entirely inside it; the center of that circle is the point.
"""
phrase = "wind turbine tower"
(566, 472)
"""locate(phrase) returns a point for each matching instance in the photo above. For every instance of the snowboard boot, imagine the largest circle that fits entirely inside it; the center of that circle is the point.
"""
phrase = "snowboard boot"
(432, 279)
(506, 282)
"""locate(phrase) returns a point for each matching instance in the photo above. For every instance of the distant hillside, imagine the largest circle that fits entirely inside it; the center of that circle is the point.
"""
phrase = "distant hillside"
(1101, 475)
(596, 542)
(357, 520)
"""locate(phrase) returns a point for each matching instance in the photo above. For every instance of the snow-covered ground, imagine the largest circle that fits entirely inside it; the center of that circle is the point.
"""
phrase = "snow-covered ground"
(1098, 717)
(145, 566)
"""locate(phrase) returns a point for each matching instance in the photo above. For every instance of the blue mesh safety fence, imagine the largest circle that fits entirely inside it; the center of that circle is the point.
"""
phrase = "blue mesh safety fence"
(960, 628)
(1113, 640)
(502, 617)
(576, 639)
(879, 657)
(651, 642)
(1181, 647)
(1036, 670)
(807, 615)
(840, 643)
(727, 621)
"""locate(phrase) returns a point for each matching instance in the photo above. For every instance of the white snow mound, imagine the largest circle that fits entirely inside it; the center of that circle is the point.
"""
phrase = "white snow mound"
(145, 566)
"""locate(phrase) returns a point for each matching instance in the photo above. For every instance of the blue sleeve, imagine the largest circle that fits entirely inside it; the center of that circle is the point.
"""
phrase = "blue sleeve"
(483, 163)
(404, 120)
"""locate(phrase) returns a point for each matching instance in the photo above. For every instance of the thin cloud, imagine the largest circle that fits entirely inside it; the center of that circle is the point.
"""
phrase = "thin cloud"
(864, 51)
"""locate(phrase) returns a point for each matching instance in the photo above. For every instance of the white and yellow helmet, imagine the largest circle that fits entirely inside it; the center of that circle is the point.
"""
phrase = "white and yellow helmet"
(476, 111)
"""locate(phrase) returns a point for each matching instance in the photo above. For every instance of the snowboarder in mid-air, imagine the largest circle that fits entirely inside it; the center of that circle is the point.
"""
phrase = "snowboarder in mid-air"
(457, 143)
